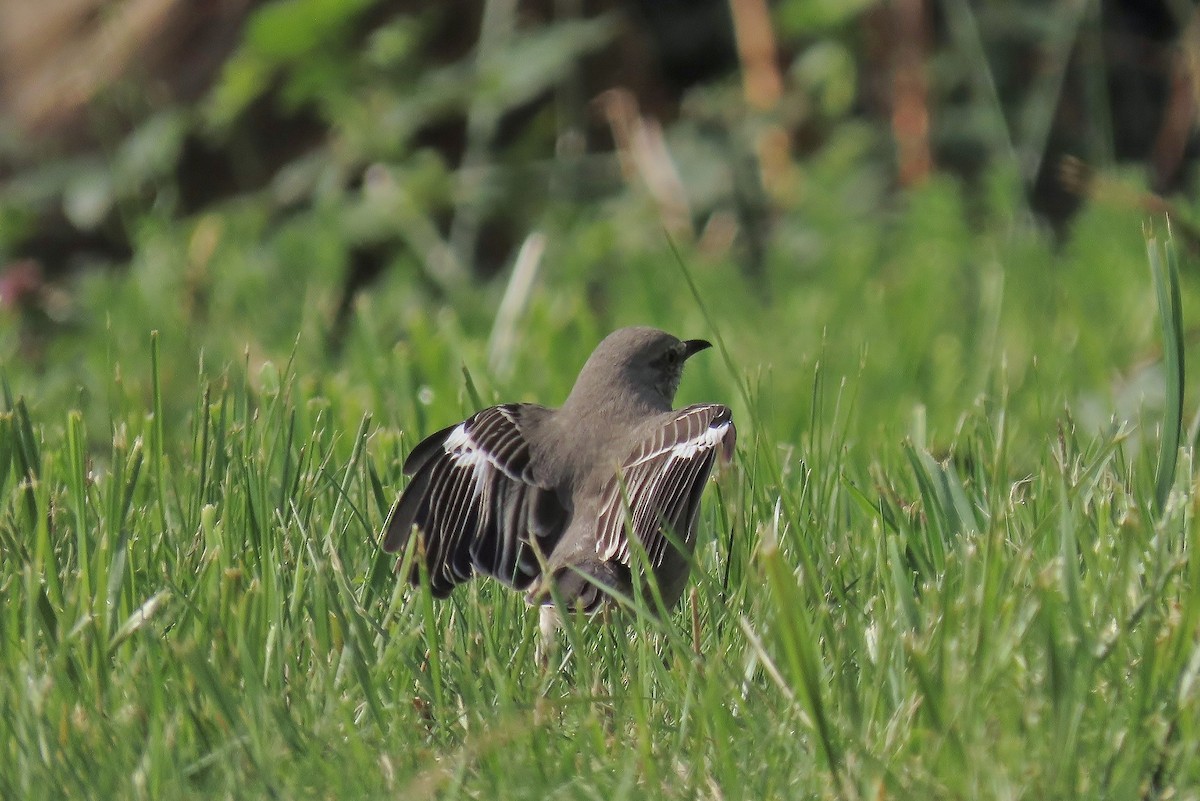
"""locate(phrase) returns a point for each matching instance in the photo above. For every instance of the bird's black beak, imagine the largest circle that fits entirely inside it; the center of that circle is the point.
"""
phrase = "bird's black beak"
(693, 346)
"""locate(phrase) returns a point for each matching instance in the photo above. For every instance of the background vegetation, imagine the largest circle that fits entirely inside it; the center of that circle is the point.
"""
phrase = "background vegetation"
(952, 559)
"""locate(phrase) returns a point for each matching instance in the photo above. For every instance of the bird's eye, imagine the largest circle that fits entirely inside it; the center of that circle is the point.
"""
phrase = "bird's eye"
(672, 357)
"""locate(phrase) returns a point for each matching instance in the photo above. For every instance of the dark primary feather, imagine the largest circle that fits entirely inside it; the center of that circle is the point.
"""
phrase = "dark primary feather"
(661, 482)
(476, 501)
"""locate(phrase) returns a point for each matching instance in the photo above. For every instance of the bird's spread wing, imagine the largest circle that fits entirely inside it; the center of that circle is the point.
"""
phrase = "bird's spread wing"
(476, 501)
(659, 486)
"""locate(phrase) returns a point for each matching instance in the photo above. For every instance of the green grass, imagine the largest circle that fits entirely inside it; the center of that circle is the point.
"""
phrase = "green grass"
(952, 559)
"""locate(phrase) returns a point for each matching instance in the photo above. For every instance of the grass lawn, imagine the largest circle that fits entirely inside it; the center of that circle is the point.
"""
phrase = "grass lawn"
(953, 558)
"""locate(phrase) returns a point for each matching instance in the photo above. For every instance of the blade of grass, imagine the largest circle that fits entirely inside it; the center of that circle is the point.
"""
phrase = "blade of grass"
(1164, 269)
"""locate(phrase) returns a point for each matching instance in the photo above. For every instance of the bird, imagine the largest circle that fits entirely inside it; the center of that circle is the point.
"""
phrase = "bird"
(562, 504)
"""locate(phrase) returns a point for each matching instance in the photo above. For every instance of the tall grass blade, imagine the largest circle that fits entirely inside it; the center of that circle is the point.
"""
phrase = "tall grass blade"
(157, 445)
(796, 636)
(1164, 269)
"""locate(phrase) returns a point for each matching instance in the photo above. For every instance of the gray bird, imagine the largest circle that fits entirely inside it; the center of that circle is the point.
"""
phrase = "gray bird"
(546, 500)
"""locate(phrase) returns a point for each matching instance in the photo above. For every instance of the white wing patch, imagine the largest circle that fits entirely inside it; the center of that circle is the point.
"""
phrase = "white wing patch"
(465, 452)
(708, 439)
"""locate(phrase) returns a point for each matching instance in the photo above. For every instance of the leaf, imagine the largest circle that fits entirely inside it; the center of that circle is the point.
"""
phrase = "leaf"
(1164, 269)
(531, 63)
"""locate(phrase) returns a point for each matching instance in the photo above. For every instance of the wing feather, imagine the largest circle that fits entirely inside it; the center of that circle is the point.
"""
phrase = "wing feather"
(476, 501)
(659, 486)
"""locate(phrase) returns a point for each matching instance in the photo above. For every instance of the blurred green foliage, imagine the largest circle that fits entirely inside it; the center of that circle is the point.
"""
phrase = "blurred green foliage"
(934, 296)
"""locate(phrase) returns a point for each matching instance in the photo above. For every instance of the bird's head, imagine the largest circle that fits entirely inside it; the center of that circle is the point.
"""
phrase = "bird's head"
(643, 364)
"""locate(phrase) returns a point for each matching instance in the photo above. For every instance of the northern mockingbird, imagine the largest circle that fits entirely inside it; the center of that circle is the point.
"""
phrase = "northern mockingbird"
(547, 500)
